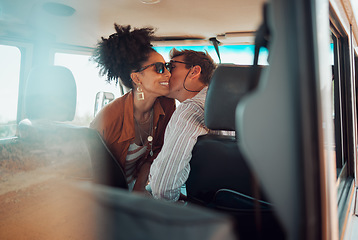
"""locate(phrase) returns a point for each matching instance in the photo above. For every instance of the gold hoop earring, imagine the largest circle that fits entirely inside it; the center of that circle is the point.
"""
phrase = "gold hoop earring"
(140, 94)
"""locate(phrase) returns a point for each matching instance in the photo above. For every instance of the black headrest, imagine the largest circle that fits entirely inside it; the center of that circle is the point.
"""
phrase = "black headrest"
(50, 94)
(228, 84)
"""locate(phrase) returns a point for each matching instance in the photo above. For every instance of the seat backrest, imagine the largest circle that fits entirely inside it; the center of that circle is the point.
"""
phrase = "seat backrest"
(50, 94)
(50, 99)
(228, 85)
(220, 177)
(106, 169)
(216, 160)
(125, 216)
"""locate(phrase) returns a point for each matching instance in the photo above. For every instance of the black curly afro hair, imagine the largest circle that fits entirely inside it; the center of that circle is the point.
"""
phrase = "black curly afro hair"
(123, 52)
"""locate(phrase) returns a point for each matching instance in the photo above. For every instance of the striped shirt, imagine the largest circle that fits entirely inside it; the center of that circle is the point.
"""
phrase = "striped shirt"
(171, 168)
(134, 153)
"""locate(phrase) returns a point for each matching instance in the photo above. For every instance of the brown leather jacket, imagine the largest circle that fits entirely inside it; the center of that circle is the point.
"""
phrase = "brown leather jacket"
(115, 123)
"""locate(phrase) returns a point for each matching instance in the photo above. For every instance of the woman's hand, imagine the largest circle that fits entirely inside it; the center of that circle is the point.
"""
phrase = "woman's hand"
(142, 178)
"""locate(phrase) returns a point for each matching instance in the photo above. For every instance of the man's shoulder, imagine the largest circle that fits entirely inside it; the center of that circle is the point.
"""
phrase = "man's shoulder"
(199, 98)
(195, 102)
(188, 110)
(189, 105)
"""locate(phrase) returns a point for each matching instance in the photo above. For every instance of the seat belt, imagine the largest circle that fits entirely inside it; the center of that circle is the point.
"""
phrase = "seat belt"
(216, 43)
(262, 39)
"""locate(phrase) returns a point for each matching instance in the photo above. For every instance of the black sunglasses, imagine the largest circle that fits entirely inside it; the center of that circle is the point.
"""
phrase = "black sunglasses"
(171, 65)
(159, 67)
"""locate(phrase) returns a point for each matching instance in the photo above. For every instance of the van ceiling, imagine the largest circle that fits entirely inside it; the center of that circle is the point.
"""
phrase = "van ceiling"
(195, 19)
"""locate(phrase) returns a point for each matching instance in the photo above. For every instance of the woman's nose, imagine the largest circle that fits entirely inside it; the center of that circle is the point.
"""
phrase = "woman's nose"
(167, 73)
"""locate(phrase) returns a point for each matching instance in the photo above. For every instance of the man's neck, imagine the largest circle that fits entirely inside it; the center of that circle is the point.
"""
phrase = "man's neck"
(188, 95)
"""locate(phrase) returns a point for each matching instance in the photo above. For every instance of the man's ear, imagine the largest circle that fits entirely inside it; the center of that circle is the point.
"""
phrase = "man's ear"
(195, 71)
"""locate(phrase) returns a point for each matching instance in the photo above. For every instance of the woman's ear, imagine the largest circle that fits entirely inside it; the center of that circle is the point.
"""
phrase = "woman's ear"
(135, 79)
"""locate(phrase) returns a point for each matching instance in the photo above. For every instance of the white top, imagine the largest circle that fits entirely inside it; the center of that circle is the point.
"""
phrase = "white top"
(171, 168)
(134, 153)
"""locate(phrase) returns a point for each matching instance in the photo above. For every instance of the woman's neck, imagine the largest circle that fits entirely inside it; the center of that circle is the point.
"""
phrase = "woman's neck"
(142, 108)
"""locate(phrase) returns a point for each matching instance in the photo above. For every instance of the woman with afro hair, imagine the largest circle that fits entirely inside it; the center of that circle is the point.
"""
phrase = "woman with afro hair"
(133, 125)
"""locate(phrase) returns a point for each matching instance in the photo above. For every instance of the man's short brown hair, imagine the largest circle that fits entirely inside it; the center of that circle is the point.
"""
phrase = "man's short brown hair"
(193, 58)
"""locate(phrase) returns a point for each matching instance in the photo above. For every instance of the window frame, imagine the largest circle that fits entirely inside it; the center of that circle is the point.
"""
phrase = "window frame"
(345, 138)
(26, 58)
